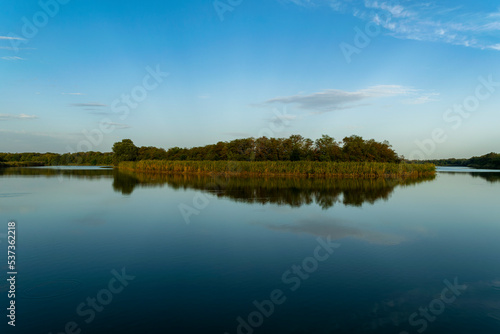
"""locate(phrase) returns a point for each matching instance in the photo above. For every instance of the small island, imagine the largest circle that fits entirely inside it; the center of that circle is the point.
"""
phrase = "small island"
(353, 157)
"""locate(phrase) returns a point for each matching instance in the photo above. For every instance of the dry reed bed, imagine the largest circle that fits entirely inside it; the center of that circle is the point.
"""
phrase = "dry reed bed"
(282, 168)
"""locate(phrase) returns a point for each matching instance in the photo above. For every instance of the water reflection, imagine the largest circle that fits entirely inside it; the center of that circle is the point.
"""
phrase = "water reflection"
(479, 300)
(293, 192)
(336, 229)
(64, 173)
(490, 177)
(290, 191)
(393, 260)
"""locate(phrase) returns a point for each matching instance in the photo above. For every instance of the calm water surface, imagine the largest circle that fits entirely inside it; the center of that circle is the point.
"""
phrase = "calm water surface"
(100, 251)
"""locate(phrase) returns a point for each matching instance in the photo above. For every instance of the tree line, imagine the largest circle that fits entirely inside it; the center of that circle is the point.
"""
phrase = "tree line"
(487, 161)
(55, 159)
(294, 148)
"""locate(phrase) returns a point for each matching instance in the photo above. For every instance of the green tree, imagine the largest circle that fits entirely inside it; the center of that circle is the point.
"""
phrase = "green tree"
(296, 147)
(354, 149)
(327, 149)
(125, 151)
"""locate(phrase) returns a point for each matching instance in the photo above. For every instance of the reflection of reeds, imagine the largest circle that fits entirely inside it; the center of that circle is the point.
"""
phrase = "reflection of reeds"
(292, 191)
(301, 168)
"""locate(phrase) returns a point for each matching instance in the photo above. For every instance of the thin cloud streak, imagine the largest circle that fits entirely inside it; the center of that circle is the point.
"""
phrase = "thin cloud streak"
(336, 99)
(7, 117)
(14, 49)
(432, 97)
(12, 58)
(86, 105)
(118, 126)
(12, 38)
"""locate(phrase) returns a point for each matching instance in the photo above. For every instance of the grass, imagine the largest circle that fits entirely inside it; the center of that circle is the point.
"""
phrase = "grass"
(282, 168)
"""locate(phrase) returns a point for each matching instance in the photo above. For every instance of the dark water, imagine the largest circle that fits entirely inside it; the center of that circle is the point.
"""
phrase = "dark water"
(105, 252)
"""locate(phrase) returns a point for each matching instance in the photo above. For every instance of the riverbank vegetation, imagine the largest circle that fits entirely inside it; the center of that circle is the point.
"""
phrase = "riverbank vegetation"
(296, 155)
(487, 161)
(294, 148)
(54, 159)
(282, 168)
(352, 157)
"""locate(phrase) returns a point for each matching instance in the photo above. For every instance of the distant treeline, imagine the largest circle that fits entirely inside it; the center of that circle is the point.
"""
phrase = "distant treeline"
(294, 148)
(487, 161)
(54, 159)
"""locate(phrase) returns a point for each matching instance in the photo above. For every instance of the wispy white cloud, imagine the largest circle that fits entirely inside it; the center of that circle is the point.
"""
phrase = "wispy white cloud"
(495, 47)
(388, 90)
(12, 38)
(426, 98)
(14, 49)
(423, 21)
(72, 94)
(12, 58)
(336, 99)
(92, 104)
(118, 126)
(7, 117)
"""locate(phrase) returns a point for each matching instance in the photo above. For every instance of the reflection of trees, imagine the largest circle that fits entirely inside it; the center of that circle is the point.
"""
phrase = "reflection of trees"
(91, 174)
(290, 191)
(488, 176)
(124, 183)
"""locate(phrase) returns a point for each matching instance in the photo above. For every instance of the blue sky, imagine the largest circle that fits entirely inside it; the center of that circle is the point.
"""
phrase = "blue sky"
(81, 75)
